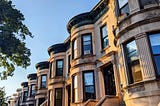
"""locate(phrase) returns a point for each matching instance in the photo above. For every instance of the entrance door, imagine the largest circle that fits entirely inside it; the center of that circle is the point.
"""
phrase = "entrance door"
(109, 80)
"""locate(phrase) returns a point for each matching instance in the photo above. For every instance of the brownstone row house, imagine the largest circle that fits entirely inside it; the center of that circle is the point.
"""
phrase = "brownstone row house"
(111, 58)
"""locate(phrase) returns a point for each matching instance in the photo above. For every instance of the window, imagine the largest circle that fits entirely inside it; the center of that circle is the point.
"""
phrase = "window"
(123, 7)
(148, 2)
(75, 89)
(69, 63)
(104, 36)
(50, 70)
(58, 97)
(74, 49)
(25, 95)
(43, 81)
(49, 97)
(155, 47)
(88, 83)
(32, 90)
(87, 44)
(134, 71)
(59, 67)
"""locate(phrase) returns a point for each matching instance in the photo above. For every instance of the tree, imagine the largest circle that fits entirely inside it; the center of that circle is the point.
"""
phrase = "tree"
(3, 98)
(13, 33)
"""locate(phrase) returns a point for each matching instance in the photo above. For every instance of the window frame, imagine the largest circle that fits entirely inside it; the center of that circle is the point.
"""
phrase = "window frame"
(84, 90)
(69, 63)
(55, 100)
(122, 7)
(151, 52)
(57, 69)
(104, 37)
(44, 75)
(32, 89)
(74, 89)
(82, 43)
(130, 77)
(73, 48)
(25, 97)
(50, 69)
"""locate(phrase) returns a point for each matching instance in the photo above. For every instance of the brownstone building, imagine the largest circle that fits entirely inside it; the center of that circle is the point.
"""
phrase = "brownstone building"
(111, 58)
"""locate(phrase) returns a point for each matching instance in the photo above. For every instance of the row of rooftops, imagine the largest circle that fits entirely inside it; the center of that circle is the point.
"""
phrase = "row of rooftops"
(33, 76)
(77, 21)
(88, 17)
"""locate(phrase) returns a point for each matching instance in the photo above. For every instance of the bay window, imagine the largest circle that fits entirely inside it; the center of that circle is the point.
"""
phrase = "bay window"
(43, 81)
(58, 97)
(133, 64)
(75, 89)
(25, 95)
(74, 49)
(59, 67)
(87, 44)
(32, 90)
(155, 48)
(89, 86)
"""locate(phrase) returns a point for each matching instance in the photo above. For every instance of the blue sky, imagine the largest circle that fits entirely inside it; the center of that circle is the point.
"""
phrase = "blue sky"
(47, 20)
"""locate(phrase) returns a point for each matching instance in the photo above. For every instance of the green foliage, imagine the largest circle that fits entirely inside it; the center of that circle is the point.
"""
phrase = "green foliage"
(13, 51)
(3, 98)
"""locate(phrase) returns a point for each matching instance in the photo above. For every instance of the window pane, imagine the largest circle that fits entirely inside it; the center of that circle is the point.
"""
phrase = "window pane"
(135, 74)
(122, 3)
(43, 81)
(32, 90)
(75, 89)
(147, 2)
(125, 9)
(75, 82)
(59, 67)
(58, 97)
(104, 31)
(89, 85)
(105, 41)
(88, 78)
(87, 47)
(155, 44)
(104, 35)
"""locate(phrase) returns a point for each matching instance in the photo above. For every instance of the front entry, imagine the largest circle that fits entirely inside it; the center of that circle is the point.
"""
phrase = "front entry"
(109, 81)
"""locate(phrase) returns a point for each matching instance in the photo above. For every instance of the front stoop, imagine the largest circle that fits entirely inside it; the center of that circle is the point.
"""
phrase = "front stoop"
(109, 101)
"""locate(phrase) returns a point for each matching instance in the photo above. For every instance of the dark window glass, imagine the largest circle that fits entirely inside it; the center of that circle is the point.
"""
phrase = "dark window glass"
(25, 95)
(104, 36)
(69, 63)
(49, 98)
(87, 44)
(148, 2)
(75, 89)
(41, 100)
(155, 45)
(89, 88)
(58, 97)
(74, 49)
(123, 7)
(32, 90)
(109, 81)
(59, 68)
(43, 81)
(50, 70)
(134, 71)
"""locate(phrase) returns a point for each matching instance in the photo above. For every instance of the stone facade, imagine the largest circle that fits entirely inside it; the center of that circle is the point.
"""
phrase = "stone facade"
(111, 58)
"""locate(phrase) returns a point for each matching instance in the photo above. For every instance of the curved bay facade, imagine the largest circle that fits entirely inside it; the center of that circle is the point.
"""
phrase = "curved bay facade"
(111, 58)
